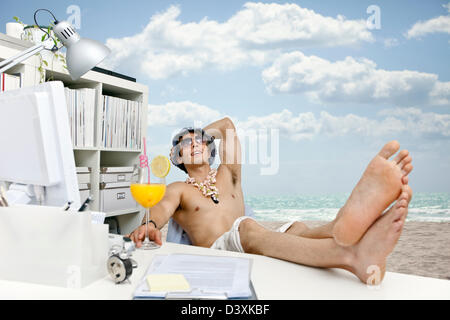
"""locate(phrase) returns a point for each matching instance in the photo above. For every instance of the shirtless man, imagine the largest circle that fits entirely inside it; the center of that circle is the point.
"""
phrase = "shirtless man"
(363, 234)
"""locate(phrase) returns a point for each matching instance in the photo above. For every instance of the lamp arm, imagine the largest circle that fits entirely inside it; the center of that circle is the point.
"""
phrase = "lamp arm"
(18, 58)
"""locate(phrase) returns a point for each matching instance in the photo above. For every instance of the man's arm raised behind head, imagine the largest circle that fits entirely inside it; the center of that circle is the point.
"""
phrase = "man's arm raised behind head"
(230, 146)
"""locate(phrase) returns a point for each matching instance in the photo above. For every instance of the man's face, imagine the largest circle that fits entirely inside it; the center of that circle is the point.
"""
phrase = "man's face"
(193, 150)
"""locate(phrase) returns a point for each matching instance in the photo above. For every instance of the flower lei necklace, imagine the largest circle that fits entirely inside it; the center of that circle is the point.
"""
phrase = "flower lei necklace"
(208, 186)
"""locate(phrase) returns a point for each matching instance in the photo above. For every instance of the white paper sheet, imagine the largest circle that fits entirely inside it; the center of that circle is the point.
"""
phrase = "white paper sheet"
(98, 217)
(207, 275)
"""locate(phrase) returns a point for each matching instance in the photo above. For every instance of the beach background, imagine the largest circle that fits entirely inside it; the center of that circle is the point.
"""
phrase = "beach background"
(423, 248)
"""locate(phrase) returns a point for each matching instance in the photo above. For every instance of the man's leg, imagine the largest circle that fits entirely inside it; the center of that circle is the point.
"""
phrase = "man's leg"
(300, 229)
(326, 231)
(374, 247)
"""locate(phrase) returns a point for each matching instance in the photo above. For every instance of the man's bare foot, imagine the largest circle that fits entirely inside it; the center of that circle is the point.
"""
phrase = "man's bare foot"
(404, 198)
(369, 262)
(378, 187)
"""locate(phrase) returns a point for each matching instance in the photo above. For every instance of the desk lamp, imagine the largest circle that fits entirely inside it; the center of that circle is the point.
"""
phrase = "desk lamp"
(82, 54)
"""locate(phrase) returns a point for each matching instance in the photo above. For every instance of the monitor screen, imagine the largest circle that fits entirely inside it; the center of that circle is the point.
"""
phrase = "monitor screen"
(35, 143)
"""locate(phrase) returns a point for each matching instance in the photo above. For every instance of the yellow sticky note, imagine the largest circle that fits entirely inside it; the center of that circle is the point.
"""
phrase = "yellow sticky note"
(167, 282)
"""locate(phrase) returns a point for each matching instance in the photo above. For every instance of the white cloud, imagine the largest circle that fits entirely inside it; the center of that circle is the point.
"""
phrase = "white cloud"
(181, 114)
(410, 121)
(417, 122)
(302, 126)
(290, 24)
(439, 24)
(447, 6)
(307, 125)
(253, 36)
(390, 42)
(353, 80)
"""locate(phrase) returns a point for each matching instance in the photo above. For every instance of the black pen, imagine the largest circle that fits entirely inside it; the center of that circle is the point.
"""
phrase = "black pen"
(85, 203)
(67, 206)
(3, 200)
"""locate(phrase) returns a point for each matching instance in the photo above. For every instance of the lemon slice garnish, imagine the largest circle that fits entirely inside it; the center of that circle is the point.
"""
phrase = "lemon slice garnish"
(160, 166)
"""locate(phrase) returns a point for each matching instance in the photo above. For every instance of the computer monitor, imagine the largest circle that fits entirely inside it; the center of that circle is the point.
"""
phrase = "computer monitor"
(35, 144)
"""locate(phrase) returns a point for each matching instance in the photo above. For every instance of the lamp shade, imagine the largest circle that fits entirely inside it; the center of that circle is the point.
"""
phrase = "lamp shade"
(82, 54)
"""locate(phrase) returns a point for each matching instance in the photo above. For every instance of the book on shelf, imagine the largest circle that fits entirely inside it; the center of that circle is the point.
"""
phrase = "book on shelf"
(10, 81)
(81, 111)
(120, 123)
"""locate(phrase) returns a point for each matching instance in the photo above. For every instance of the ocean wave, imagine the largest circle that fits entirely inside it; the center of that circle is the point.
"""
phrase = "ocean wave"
(429, 210)
(429, 214)
(296, 214)
(433, 207)
(429, 219)
(424, 214)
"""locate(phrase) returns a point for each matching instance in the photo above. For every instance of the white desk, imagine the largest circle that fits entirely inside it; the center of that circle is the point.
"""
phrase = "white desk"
(272, 279)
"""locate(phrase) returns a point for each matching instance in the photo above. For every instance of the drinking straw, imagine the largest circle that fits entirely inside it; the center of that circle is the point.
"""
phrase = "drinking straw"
(144, 160)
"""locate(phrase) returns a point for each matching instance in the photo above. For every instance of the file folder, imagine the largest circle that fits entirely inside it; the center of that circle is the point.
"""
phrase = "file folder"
(209, 277)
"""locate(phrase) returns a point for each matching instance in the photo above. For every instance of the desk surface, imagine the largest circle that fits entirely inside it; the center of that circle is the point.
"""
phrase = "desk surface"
(272, 279)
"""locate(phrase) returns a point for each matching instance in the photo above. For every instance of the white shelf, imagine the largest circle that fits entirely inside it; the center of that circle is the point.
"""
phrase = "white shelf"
(85, 149)
(104, 84)
(119, 150)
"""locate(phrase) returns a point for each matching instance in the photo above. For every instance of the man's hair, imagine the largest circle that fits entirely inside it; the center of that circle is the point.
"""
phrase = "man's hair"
(196, 131)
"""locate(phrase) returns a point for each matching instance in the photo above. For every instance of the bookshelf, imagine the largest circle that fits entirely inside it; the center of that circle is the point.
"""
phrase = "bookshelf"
(104, 84)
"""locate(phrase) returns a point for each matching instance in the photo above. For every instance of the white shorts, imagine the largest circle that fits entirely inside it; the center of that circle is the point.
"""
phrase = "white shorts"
(231, 241)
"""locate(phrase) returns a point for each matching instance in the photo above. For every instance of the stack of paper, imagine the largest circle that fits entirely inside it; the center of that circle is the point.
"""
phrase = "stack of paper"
(81, 111)
(98, 217)
(121, 123)
(207, 276)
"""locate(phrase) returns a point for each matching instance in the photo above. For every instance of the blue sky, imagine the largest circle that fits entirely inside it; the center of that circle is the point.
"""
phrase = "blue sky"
(333, 89)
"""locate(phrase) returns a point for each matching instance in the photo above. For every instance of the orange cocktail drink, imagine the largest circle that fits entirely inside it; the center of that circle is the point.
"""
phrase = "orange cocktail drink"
(148, 194)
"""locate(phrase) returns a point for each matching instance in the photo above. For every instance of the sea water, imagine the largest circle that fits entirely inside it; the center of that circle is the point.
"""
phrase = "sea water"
(432, 207)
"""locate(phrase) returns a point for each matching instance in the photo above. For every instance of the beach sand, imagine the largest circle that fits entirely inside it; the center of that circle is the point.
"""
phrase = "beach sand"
(423, 248)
